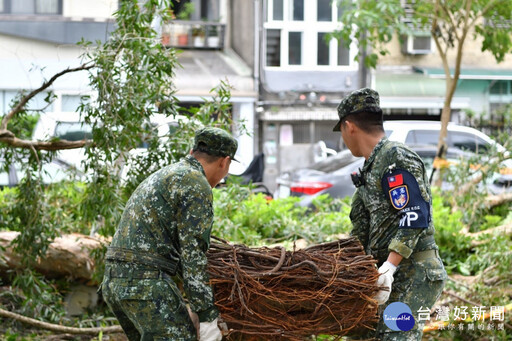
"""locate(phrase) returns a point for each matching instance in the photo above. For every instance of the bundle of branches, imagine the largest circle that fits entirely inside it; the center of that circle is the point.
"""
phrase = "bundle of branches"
(271, 293)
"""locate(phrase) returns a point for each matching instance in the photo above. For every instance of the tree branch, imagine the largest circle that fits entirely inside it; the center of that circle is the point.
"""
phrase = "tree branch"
(58, 328)
(460, 42)
(9, 138)
(490, 4)
(24, 100)
(451, 20)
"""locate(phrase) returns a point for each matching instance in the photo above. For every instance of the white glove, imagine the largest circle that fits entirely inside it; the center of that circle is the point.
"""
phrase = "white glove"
(209, 331)
(386, 271)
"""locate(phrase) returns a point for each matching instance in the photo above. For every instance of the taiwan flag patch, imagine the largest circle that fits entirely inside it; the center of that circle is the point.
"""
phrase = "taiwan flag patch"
(395, 180)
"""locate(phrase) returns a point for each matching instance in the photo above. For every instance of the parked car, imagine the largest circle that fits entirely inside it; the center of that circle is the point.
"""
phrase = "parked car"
(164, 127)
(55, 171)
(427, 132)
(69, 126)
(310, 183)
(460, 137)
(65, 126)
(333, 175)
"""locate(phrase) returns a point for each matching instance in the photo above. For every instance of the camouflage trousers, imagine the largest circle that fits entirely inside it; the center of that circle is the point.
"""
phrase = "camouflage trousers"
(147, 303)
(417, 284)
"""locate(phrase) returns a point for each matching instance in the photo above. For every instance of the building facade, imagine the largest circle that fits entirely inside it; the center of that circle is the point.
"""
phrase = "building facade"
(38, 39)
(302, 77)
(287, 77)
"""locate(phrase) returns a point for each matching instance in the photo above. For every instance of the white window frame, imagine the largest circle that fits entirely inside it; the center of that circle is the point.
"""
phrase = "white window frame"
(310, 28)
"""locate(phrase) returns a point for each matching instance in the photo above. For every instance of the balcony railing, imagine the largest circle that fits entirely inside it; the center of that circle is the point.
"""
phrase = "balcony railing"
(187, 34)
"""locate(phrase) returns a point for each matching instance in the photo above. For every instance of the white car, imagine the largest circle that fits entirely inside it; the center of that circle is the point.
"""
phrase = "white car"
(65, 126)
(427, 132)
(333, 174)
(51, 172)
(69, 126)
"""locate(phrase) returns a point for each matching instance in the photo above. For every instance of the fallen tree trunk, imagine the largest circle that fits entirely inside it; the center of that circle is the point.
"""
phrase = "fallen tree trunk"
(68, 256)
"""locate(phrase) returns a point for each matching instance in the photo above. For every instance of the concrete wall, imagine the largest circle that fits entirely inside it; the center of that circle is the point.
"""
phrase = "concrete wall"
(97, 9)
(472, 57)
(26, 63)
(242, 30)
(20, 48)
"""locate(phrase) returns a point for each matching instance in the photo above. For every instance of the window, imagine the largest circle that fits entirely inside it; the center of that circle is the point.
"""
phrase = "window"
(468, 142)
(501, 88)
(422, 137)
(343, 55)
(273, 47)
(278, 10)
(460, 140)
(41, 7)
(500, 97)
(73, 131)
(322, 50)
(70, 102)
(298, 10)
(324, 10)
(296, 31)
(295, 48)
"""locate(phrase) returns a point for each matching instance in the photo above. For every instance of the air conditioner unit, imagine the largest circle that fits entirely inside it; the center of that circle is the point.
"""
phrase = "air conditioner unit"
(417, 43)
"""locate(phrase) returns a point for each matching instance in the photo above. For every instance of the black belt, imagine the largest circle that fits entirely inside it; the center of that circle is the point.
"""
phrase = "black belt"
(115, 272)
(143, 258)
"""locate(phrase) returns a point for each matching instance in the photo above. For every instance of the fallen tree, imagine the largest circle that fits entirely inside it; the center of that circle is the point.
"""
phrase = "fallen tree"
(68, 256)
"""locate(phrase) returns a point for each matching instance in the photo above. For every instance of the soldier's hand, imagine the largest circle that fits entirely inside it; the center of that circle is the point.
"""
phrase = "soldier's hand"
(209, 331)
(222, 326)
(387, 270)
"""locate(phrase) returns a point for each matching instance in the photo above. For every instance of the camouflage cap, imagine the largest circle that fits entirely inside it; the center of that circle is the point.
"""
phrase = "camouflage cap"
(217, 142)
(364, 99)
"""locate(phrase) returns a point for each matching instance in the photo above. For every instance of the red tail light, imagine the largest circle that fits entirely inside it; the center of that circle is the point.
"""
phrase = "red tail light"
(309, 188)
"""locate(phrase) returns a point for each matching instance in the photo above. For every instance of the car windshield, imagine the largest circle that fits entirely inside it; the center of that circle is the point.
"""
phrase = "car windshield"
(73, 131)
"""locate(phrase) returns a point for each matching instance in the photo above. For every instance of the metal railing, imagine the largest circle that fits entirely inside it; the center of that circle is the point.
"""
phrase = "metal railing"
(188, 34)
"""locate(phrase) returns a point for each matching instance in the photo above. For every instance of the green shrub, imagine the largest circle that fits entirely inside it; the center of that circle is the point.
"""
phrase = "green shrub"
(252, 219)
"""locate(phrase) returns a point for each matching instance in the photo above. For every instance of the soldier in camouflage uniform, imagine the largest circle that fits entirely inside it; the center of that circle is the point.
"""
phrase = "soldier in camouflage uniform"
(392, 213)
(162, 240)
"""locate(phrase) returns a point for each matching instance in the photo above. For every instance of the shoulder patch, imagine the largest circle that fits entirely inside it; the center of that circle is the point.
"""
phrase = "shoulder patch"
(403, 192)
(399, 196)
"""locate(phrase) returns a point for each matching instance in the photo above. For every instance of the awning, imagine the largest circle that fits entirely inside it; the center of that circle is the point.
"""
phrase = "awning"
(202, 70)
(411, 84)
(306, 114)
(414, 91)
(467, 73)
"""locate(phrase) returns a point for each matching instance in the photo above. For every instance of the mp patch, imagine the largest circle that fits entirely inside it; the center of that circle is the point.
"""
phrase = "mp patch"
(405, 196)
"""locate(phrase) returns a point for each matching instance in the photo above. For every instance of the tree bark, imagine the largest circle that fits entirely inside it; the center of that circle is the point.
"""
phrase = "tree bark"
(67, 256)
(58, 328)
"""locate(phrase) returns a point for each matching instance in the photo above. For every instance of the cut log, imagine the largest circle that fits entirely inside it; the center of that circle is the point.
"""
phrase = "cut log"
(67, 256)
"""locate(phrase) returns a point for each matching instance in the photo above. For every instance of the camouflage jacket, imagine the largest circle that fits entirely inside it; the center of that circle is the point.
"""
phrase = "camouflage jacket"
(392, 211)
(170, 214)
